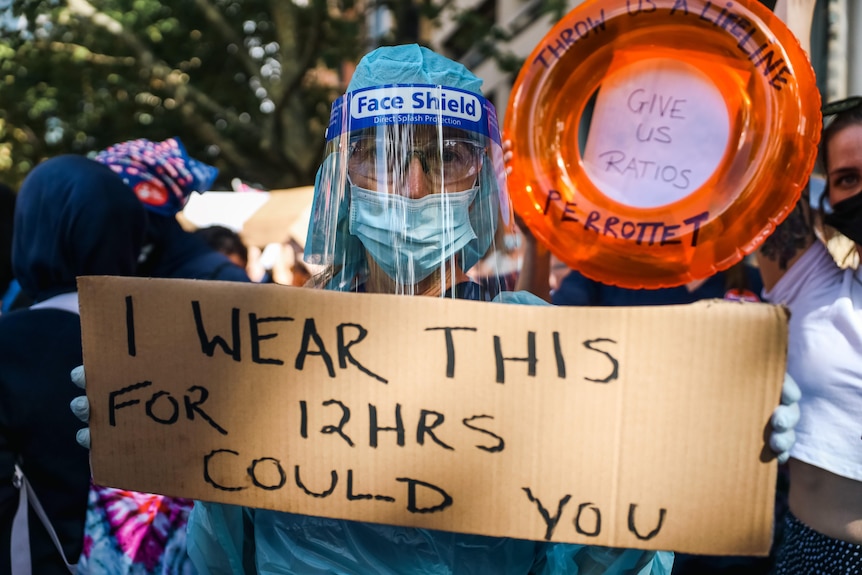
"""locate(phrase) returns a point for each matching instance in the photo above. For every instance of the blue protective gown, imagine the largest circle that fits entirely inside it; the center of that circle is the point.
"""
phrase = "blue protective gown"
(232, 540)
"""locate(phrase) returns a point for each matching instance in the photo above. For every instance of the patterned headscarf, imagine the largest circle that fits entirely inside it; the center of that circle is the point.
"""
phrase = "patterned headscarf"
(161, 174)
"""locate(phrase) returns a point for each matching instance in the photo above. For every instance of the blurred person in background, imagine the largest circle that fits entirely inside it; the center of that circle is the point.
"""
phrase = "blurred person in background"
(300, 274)
(226, 241)
(163, 176)
(131, 532)
(74, 217)
(280, 263)
(8, 289)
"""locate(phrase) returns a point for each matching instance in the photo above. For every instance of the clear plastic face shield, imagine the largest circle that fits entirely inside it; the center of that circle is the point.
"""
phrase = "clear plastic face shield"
(411, 194)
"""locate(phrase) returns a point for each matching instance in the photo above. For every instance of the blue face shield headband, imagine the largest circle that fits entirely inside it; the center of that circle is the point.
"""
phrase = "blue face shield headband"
(413, 141)
(413, 104)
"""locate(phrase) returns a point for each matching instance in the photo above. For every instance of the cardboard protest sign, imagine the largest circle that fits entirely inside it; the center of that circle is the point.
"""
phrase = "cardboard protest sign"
(624, 427)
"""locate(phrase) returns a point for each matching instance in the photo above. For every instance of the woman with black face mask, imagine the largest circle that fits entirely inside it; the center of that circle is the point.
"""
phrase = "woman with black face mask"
(823, 529)
(843, 184)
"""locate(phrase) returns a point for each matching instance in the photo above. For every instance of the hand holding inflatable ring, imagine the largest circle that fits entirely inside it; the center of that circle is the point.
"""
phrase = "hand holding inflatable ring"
(609, 58)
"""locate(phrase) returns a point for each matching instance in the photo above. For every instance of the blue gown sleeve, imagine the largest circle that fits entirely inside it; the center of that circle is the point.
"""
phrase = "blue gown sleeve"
(576, 289)
(573, 559)
(217, 540)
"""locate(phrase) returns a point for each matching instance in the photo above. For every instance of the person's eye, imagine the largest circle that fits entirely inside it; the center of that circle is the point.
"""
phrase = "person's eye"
(847, 181)
(456, 152)
(449, 157)
(362, 151)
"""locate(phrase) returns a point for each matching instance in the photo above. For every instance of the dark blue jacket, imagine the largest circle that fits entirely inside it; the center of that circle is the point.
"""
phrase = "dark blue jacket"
(73, 217)
(173, 252)
(576, 289)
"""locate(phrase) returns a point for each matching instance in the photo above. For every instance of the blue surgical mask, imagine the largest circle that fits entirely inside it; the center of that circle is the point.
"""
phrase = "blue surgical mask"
(410, 238)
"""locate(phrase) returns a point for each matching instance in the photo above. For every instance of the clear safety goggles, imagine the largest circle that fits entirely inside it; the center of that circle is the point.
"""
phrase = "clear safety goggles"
(451, 161)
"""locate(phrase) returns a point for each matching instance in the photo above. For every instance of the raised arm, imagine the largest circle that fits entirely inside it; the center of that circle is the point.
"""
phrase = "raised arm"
(789, 241)
(796, 233)
(535, 276)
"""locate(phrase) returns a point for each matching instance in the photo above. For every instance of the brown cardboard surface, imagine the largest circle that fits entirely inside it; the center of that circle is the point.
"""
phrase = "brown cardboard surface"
(625, 427)
(280, 218)
(283, 216)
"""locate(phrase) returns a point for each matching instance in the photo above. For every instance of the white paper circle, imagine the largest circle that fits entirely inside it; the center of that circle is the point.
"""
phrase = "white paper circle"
(658, 132)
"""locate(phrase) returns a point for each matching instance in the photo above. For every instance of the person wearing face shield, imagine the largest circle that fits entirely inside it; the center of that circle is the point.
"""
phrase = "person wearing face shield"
(408, 198)
(412, 188)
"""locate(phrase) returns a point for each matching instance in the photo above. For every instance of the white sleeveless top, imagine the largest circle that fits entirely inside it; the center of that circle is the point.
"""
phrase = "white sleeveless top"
(825, 358)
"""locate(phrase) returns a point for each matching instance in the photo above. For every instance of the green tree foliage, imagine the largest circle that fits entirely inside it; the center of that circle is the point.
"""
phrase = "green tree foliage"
(246, 84)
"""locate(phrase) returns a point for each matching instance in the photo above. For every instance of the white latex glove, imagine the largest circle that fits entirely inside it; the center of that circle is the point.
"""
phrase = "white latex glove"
(81, 407)
(784, 419)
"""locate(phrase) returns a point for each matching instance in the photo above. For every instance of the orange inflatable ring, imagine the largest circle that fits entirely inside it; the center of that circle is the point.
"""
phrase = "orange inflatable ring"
(656, 142)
